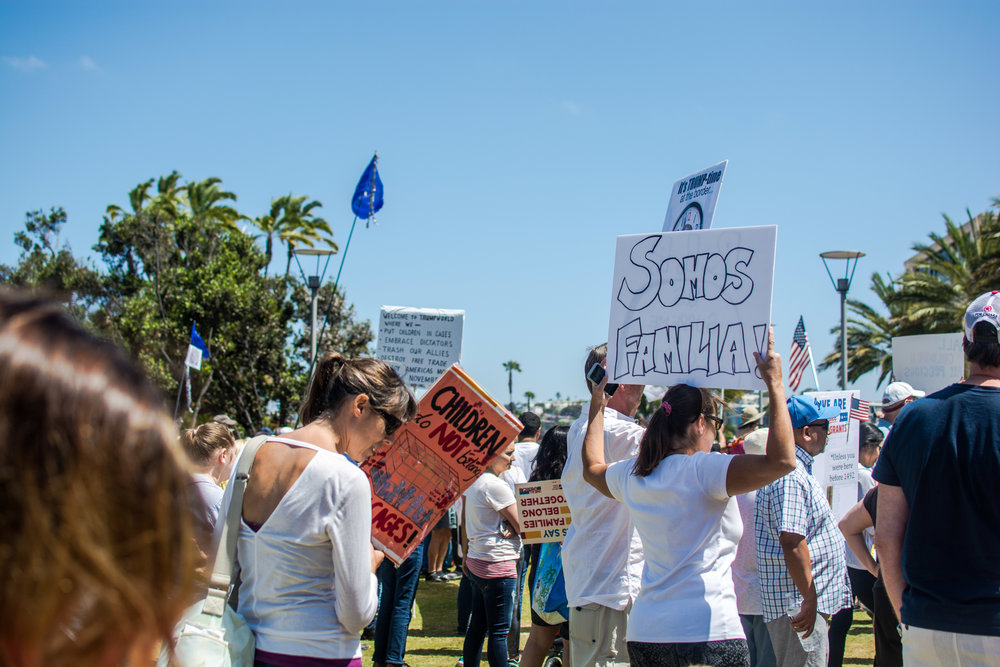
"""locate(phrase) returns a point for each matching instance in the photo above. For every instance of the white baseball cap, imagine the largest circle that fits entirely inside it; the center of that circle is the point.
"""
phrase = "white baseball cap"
(986, 308)
(900, 391)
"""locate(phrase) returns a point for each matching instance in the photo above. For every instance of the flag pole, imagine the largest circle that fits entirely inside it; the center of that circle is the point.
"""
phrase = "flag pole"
(180, 388)
(812, 364)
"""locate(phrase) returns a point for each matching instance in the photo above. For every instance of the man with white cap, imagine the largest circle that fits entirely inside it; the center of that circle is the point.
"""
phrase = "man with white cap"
(896, 395)
(800, 549)
(938, 535)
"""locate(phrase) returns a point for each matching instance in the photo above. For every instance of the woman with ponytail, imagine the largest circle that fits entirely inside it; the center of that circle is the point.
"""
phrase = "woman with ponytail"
(680, 496)
(308, 586)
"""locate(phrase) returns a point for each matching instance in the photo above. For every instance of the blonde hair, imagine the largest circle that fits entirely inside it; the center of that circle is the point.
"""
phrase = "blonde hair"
(97, 550)
(202, 442)
(337, 379)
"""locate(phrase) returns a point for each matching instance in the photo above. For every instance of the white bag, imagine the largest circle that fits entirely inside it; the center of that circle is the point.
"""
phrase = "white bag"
(211, 633)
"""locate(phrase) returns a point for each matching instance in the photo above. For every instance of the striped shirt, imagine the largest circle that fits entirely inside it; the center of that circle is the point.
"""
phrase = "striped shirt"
(796, 504)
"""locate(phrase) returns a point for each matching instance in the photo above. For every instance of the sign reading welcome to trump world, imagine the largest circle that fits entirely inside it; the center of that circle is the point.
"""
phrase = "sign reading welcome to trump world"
(691, 307)
(693, 199)
(420, 343)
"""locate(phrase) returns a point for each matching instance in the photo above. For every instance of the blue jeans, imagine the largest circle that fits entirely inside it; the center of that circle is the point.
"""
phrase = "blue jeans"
(492, 607)
(758, 641)
(395, 606)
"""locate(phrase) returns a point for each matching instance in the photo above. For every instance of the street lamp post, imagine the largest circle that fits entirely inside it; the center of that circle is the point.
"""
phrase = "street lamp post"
(313, 282)
(842, 285)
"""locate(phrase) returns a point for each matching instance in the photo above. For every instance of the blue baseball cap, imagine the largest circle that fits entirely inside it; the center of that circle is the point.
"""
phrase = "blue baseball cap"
(804, 410)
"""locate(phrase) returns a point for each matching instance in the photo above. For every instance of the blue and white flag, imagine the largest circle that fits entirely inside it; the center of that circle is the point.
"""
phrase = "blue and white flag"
(196, 350)
(367, 200)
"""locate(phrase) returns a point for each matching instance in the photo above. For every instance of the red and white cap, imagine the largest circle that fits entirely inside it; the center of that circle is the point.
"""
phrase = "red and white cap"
(986, 308)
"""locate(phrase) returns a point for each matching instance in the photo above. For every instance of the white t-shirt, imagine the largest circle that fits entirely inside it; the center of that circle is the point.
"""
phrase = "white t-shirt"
(865, 483)
(745, 578)
(689, 527)
(307, 587)
(483, 501)
(602, 552)
(525, 454)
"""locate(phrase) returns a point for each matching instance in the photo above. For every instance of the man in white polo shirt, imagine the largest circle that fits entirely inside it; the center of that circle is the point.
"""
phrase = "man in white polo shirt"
(602, 553)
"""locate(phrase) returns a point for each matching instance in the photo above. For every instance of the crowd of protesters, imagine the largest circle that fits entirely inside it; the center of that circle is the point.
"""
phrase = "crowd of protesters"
(678, 554)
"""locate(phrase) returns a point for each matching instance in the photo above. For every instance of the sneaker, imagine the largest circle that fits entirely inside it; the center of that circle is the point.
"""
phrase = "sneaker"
(459, 663)
(435, 576)
(450, 576)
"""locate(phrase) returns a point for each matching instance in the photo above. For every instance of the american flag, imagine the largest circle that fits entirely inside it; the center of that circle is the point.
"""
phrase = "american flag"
(860, 410)
(800, 356)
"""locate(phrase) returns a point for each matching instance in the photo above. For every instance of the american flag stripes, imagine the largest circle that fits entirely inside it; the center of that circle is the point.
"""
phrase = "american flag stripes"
(800, 357)
(860, 409)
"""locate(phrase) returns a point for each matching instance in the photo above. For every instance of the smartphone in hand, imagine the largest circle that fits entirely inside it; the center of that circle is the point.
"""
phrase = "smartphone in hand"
(596, 374)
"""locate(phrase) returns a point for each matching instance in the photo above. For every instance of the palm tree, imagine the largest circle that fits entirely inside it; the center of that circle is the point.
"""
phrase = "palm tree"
(293, 224)
(870, 333)
(510, 367)
(950, 272)
(528, 395)
(205, 200)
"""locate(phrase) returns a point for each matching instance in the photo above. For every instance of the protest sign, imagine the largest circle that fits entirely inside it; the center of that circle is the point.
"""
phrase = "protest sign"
(433, 459)
(693, 199)
(691, 307)
(837, 466)
(420, 343)
(929, 362)
(542, 511)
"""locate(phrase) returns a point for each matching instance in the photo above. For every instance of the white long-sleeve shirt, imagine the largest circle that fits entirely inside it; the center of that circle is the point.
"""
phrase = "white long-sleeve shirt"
(602, 553)
(307, 587)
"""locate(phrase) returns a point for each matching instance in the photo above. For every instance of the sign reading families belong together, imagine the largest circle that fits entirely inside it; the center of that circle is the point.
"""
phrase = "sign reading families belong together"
(691, 307)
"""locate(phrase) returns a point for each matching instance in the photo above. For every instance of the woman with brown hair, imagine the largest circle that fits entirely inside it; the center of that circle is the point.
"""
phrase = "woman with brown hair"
(307, 564)
(680, 497)
(211, 450)
(95, 537)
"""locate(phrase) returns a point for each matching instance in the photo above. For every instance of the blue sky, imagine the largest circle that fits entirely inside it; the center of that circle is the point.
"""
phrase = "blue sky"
(517, 140)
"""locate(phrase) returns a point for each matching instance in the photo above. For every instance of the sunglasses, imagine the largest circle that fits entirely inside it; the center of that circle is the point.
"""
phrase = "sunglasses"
(392, 422)
(715, 420)
(822, 423)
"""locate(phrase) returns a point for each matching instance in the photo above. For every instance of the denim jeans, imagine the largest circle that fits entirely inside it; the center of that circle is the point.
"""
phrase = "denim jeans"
(492, 607)
(395, 606)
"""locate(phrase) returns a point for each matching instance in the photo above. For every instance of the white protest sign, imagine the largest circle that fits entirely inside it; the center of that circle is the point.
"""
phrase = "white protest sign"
(837, 466)
(929, 362)
(420, 343)
(691, 307)
(693, 199)
(542, 511)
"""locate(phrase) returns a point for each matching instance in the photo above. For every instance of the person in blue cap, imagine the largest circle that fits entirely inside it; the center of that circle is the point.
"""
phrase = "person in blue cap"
(800, 550)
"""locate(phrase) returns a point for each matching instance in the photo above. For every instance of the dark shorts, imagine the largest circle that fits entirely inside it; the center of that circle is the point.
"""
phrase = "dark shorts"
(448, 520)
(722, 653)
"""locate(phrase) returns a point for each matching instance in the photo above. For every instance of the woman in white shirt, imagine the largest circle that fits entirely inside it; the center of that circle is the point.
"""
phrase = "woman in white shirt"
(680, 497)
(492, 549)
(307, 584)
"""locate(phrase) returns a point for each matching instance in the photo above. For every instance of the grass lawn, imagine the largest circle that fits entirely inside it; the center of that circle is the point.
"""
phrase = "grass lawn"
(433, 642)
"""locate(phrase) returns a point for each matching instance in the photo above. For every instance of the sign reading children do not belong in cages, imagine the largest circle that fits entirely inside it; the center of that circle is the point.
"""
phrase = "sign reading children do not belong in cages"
(691, 307)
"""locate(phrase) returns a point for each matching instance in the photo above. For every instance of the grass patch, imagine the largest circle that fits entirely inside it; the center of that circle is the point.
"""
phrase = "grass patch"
(434, 642)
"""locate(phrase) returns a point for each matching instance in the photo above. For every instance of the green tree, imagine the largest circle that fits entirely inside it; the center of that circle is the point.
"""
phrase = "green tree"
(46, 265)
(528, 396)
(511, 366)
(205, 198)
(291, 220)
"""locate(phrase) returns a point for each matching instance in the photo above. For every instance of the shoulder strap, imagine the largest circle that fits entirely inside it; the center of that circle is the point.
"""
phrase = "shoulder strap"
(219, 584)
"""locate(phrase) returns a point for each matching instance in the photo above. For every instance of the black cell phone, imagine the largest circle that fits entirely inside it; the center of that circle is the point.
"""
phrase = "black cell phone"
(596, 374)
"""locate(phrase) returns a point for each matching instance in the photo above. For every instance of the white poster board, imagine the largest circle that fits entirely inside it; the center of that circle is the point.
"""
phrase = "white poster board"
(691, 307)
(693, 199)
(420, 343)
(542, 511)
(837, 466)
(929, 362)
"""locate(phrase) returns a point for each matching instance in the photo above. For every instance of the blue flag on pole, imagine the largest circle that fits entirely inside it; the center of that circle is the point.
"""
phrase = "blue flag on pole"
(367, 199)
(196, 350)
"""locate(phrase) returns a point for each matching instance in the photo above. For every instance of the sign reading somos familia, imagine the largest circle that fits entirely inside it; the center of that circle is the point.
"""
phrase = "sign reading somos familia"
(420, 343)
(691, 307)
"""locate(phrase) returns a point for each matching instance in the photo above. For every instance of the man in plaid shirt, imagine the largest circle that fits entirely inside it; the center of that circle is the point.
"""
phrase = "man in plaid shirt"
(800, 550)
